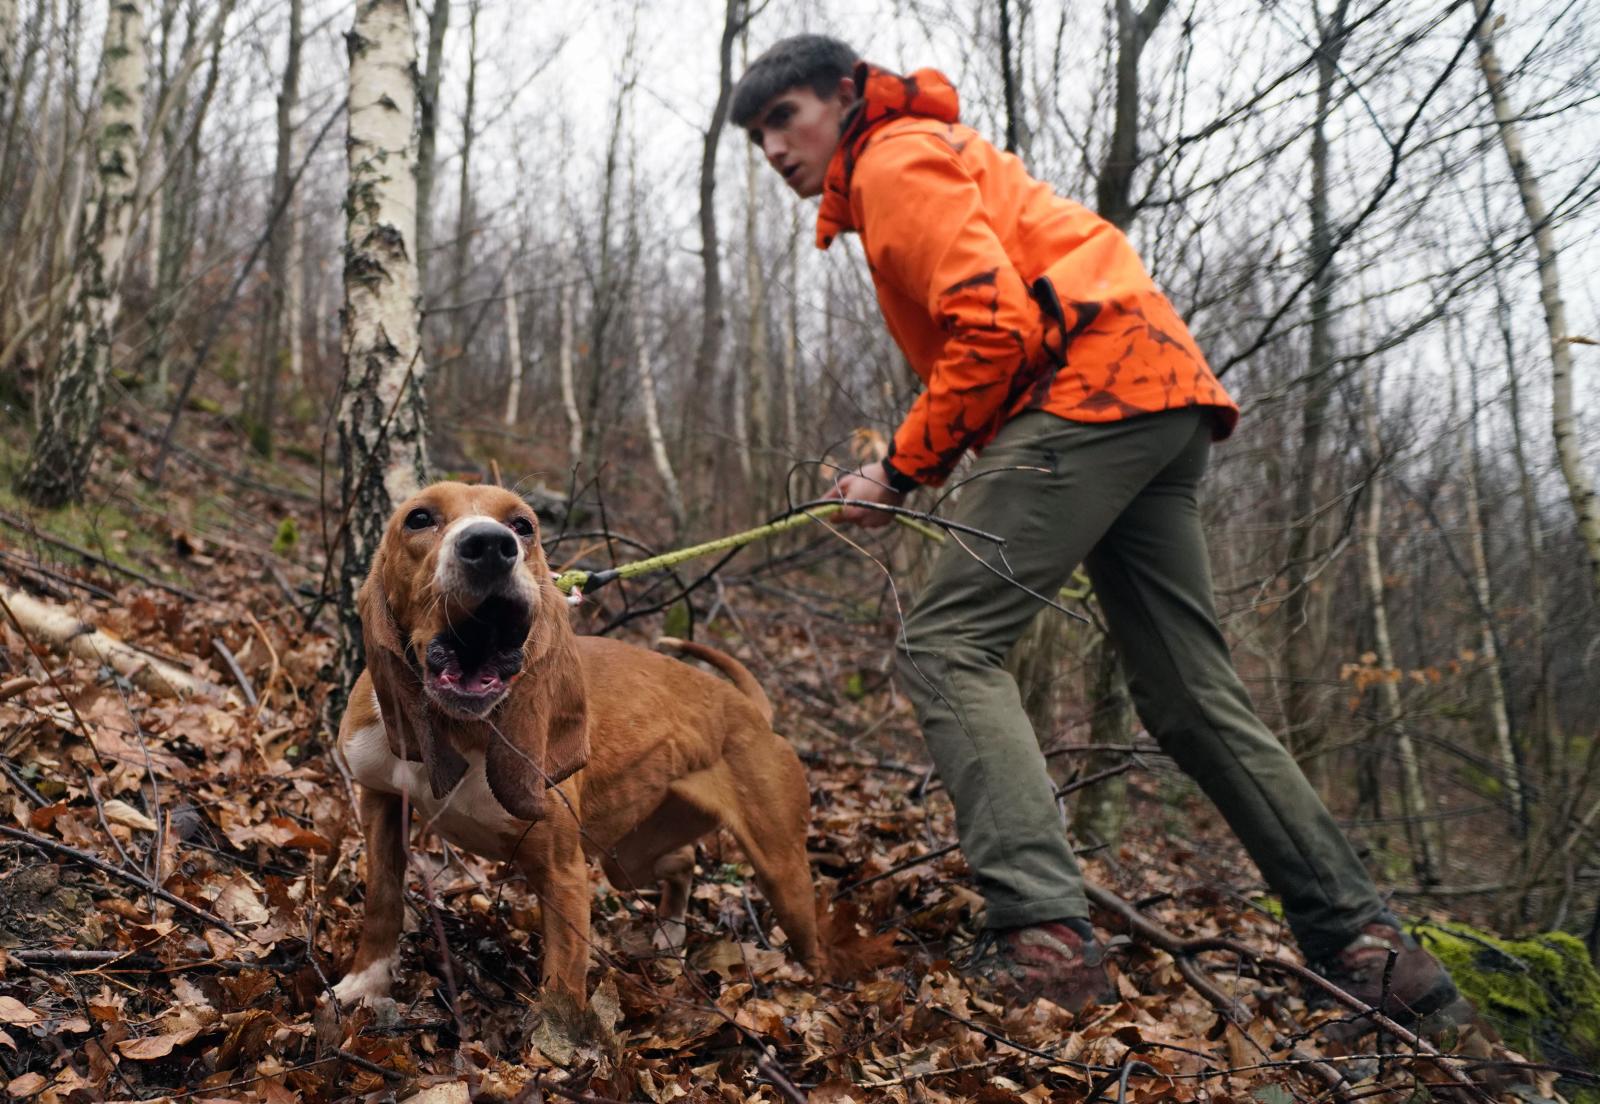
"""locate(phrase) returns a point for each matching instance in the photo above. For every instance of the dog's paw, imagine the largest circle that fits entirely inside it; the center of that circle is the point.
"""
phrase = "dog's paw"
(670, 935)
(369, 985)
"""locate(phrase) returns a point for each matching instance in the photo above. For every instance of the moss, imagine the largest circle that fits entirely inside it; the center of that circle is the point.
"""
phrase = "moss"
(287, 538)
(1541, 993)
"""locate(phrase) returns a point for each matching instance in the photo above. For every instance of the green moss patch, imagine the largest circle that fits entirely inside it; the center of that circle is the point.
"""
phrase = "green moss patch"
(1541, 993)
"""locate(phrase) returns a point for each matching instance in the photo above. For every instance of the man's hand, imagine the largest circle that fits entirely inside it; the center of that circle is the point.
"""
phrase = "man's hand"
(870, 484)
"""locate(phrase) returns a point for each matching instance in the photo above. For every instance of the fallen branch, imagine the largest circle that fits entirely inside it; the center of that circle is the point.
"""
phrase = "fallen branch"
(22, 526)
(44, 843)
(227, 656)
(1184, 950)
(65, 633)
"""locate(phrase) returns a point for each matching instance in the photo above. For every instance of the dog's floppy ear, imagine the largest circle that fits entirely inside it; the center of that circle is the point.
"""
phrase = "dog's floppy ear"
(407, 721)
(542, 732)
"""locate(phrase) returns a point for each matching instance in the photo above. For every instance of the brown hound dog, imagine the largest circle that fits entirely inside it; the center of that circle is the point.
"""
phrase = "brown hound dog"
(519, 740)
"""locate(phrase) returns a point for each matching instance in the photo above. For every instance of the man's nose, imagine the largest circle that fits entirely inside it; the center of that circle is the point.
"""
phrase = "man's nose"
(774, 149)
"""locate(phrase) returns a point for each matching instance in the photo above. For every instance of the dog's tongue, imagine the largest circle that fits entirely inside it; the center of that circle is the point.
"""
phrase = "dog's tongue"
(481, 682)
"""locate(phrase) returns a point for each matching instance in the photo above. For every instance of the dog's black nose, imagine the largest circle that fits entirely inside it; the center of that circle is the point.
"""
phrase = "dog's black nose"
(488, 547)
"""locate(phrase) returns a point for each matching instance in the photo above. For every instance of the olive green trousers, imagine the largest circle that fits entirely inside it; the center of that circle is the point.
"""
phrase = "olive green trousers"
(1121, 498)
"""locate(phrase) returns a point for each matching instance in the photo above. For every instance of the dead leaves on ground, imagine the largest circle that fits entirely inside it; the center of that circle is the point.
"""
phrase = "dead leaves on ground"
(242, 813)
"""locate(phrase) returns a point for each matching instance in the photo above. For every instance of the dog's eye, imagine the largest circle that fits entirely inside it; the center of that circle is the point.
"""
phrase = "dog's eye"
(521, 526)
(419, 519)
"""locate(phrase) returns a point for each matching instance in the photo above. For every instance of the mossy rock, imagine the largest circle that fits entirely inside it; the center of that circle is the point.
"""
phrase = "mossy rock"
(1541, 993)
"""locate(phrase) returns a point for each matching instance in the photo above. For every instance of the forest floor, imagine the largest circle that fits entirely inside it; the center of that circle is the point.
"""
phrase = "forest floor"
(215, 986)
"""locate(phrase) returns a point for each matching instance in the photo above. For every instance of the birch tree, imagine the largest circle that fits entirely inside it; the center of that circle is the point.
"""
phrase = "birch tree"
(382, 423)
(63, 449)
(1564, 424)
(643, 363)
(280, 253)
(1427, 856)
(513, 345)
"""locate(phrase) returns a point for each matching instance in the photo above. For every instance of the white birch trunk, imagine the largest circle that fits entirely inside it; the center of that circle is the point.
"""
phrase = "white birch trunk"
(63, 449)
(1488, 648)
(1564, 422)
(513, 348)
(1422, 829)
(569, 387)
(383, 414)
(652, 410)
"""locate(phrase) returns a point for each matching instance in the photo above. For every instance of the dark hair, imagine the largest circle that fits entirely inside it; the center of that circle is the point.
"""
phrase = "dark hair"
(813, 61)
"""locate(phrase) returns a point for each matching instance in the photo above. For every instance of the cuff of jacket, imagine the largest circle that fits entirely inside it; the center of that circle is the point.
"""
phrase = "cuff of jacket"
(898, 481)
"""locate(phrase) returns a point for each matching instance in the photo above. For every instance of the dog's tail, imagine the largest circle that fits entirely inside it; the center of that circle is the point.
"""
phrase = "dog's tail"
(722, 661)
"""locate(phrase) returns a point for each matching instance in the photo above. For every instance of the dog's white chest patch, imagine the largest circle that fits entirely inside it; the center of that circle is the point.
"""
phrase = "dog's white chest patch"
(468, 816)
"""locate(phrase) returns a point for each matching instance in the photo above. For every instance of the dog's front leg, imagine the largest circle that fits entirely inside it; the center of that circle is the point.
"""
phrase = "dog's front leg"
(384, 866)
(560, 876)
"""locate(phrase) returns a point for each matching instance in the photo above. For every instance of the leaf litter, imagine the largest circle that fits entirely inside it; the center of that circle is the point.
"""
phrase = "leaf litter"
(110, 992)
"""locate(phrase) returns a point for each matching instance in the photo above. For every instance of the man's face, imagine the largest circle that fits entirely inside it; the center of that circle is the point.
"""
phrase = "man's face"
(797, 131)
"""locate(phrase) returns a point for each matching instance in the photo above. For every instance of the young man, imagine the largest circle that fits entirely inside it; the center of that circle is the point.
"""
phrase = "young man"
(1045, 347)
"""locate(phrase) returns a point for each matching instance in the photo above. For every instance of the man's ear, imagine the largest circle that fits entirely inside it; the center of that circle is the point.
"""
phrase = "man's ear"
(541, 735)
(408, 723)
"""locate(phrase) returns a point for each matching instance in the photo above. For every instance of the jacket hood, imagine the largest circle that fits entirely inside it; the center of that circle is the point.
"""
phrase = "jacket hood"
(885, 96)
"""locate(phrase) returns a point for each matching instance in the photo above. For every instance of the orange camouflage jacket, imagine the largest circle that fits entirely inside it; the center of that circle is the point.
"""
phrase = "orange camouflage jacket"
(1003, 296)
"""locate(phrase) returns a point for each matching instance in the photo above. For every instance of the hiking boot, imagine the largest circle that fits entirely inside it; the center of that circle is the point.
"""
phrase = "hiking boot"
(1417, 984)
(1059, 960)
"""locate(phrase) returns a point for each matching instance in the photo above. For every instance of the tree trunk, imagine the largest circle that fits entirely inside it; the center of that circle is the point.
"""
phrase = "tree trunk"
(1488, 638)
(271, 356)
(1564, 423)
(1303, 609)
(642, 364)
(513, 347)
(1420, 827)
(1011, 82)
(709, 353)
(455, 358)
(569, 385)
(1114, 189)
(791, 345)
(382, 424)
(1036, 659)
(753, 445)
(428, 134)
(1544, 722)
(63, 449)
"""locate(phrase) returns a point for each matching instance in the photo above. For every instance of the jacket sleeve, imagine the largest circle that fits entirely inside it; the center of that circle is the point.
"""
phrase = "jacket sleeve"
(925, 229)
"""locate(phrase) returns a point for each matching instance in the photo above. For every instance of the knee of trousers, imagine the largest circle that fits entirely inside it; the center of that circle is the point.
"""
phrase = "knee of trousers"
(927, 664)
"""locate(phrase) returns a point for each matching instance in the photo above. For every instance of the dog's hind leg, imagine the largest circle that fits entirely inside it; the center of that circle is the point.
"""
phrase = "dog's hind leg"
(675, 870)
(384, 870)
(763, 800)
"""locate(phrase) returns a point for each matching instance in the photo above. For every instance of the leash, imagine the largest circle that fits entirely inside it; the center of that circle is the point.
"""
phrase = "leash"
(578, 581)
(587, 582)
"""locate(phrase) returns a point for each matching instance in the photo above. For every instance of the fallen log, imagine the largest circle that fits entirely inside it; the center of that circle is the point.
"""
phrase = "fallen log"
(58, 629)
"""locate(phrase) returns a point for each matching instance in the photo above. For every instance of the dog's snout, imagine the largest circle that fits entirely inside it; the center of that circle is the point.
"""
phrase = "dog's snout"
(489, 547)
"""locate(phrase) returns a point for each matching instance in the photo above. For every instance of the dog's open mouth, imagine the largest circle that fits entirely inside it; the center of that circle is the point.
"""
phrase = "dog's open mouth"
(471, 664)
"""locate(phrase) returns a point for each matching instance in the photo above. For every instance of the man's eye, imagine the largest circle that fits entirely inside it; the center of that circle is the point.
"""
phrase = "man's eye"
(521, 526)
(419, 519)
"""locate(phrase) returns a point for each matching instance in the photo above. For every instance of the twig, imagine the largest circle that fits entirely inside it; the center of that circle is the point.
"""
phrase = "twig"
(22, 563)
(369, 1065)
(239, 676)
(1180, 949)
(22, 526)
(772, 1072)
(941, 852)
(10, 770)
(50, 845)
